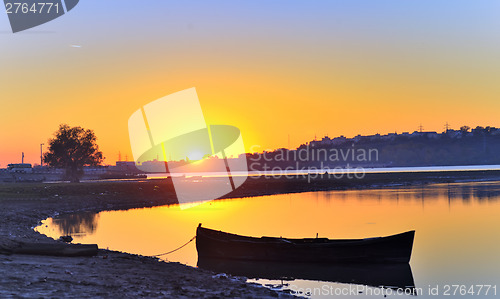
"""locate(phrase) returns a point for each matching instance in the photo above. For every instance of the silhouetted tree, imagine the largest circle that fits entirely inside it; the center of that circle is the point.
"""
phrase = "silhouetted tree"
(71, 149)
(464, 129)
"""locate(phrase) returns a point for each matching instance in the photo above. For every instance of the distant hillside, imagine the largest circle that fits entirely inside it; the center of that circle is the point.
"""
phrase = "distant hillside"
(453, 147)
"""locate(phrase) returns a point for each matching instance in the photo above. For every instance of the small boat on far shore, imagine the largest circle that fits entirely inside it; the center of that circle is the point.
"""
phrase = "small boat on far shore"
(390, 249)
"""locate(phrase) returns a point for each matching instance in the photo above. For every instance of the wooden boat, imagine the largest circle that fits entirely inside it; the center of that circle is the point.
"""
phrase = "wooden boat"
(390, 249)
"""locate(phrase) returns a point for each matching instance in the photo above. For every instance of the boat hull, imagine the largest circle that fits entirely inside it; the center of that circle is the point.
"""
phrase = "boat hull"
(390, 249)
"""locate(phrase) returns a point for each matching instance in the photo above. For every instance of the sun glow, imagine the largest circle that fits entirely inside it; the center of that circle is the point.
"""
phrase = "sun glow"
(195, 155)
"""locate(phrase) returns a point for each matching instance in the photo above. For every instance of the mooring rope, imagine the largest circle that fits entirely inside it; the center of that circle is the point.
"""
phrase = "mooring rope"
(192, 239)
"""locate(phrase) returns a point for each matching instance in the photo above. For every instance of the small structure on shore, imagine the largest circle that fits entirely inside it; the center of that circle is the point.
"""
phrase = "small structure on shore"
(20, 168)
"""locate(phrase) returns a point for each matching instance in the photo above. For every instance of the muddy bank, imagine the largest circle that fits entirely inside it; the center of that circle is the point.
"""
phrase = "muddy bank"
(109, 274)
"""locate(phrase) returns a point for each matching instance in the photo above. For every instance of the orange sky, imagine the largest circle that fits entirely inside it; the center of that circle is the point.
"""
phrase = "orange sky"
(301, 71)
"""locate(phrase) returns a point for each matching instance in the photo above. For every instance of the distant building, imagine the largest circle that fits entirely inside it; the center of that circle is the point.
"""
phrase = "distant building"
(373, 137)
(20, 168)
(454, 133)
(94, 170)
(357, 138)
(389, 137)
(339, 140)
(126, 166)
(432, 135)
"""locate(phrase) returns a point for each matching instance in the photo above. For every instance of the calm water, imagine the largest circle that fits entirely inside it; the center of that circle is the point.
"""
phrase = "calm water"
(457, 239)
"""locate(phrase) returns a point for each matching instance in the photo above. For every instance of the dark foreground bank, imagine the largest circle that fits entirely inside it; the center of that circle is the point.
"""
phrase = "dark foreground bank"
(110, 274)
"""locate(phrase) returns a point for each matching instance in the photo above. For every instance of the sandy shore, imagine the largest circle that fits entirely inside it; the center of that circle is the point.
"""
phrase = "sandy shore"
(114, 274)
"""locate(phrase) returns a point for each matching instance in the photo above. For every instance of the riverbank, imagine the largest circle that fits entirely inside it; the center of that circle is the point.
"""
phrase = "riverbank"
(113, 274)
(110, 273)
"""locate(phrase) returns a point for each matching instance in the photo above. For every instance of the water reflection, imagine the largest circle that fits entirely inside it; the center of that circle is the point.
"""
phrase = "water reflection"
(456, 226)
(86, 222)
(377, 275)
(77, 224)
(454, 192)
